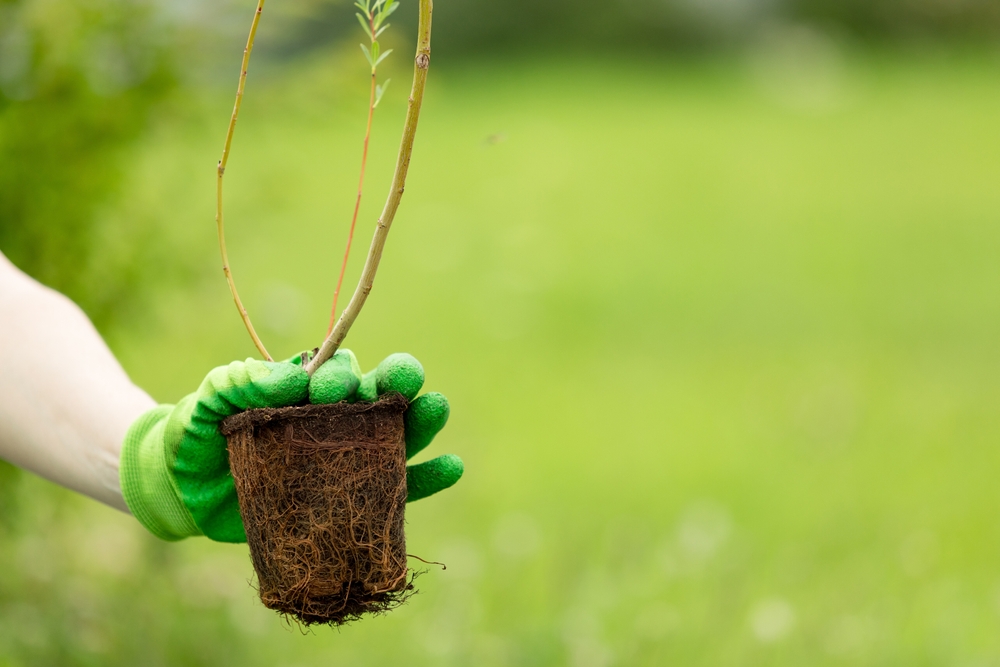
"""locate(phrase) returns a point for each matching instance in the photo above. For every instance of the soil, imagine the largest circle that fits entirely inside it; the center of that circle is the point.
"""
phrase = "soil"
(322, 492)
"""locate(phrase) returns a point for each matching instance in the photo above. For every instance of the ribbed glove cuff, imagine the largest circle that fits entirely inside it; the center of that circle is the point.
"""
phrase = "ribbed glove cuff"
(148, 486)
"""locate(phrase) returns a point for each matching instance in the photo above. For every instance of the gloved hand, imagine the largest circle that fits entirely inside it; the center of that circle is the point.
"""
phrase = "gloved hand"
(174, 467)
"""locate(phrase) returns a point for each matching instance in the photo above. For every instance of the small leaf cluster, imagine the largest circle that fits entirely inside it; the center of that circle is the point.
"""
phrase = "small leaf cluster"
(372, 19)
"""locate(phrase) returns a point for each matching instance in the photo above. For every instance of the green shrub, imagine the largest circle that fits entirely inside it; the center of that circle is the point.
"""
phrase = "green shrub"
(483, 26)
(78, 81)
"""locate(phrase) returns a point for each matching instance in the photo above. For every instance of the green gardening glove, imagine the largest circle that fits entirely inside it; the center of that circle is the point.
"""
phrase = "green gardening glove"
(340, 379)
(174, 467)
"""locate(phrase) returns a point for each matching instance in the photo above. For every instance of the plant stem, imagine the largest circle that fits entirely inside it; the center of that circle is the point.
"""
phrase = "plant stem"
(357, 202)
(221, 170)
(420, 66)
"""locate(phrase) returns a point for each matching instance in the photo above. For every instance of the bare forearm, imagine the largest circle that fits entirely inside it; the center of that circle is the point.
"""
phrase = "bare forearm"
(65, 402)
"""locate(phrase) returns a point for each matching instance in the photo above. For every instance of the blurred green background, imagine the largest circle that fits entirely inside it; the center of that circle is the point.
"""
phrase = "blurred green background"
(711, 287)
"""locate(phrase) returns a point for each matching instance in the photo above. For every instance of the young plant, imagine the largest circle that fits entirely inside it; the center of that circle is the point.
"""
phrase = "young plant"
(322, 486)
(373, 20)
(421, 64)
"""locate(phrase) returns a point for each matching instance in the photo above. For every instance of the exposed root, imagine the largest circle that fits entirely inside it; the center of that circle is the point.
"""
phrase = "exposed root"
(322, 491)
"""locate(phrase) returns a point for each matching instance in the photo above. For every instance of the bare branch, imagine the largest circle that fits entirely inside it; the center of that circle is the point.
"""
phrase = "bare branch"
(420, 66)
(221, 170)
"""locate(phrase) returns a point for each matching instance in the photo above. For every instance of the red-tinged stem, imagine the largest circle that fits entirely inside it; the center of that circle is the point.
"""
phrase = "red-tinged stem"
(357, 202)
(421, 64)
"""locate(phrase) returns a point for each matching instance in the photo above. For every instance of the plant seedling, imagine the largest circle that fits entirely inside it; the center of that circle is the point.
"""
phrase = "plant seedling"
(322, 488)
(372, 20)
(372, 17)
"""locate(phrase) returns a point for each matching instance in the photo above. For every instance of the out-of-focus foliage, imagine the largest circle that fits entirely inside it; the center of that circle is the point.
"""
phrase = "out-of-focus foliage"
(904, 18)
(78, 80)
(767, 288)
(77, 83)
(81, 586)
(754, 304)
(482, 26)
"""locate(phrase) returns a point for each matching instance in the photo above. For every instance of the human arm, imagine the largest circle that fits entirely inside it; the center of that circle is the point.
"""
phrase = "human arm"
(65, 401)
(67, 407)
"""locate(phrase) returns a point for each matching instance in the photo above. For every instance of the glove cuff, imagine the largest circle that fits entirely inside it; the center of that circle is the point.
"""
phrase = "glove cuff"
(147, 485)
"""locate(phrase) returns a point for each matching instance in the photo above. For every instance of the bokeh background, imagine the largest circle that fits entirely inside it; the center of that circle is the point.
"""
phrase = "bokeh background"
(711, 286)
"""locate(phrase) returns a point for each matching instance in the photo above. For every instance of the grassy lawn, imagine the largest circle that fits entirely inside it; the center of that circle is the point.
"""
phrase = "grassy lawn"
(720, 340)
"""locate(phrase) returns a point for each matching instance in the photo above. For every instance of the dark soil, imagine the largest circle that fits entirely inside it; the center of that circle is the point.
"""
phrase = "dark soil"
(322, 492)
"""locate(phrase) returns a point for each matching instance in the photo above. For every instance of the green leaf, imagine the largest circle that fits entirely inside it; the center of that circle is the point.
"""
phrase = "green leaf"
(364, 25)
(381, 30)
(380, 91)
(382, 57)
(368, 54)
(375, 52)
(364, 7)
(383, 15)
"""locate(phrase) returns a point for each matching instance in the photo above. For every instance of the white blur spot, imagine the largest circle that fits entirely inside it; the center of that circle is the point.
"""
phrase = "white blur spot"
(447, 629)
(800, 67)
(847, 635)
(16, 46)
(726, 14)
(282, 308)
(704, 528)
(463, 560)
(656, 621)
(829, 414)
(250, 616)
(667, 559)
(772, 620)
(582, 634)
(35, 556)
(221, 576)
(919, 552)
(517, 536)
(112, 546)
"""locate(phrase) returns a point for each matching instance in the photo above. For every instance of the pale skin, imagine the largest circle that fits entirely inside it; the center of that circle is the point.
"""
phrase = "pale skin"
(62, 416)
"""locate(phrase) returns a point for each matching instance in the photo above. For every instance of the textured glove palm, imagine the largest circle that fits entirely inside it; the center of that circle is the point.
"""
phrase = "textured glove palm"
(175, 466)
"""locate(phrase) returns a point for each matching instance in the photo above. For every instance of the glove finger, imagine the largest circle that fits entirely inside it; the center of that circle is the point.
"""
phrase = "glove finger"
(252, 384)
(426, 479)
(399, 372)
(239, 386)
(200, 461)
(367, 390)
(425, 417)
(285, 384)
(336, 380)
